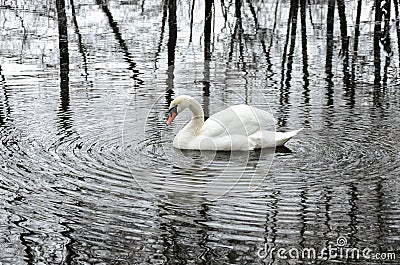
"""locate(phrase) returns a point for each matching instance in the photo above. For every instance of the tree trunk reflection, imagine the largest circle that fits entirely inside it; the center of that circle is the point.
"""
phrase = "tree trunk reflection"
(64, 56)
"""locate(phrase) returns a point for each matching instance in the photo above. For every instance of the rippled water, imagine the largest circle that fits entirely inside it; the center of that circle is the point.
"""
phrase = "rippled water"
(88, 173)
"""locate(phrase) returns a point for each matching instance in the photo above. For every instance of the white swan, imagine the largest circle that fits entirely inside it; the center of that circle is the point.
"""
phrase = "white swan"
(238, 127)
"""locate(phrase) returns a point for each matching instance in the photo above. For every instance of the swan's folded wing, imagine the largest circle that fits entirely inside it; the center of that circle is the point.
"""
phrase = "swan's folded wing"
(237, 120)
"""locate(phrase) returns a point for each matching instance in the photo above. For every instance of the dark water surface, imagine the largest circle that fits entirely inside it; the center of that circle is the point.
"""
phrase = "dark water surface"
(88, 174)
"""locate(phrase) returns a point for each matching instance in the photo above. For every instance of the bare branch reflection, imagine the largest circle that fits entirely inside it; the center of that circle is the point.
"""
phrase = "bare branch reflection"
(124, 47)
(82, 47)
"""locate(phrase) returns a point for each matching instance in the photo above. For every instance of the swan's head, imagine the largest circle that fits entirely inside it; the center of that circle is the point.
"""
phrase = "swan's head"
(177, 106)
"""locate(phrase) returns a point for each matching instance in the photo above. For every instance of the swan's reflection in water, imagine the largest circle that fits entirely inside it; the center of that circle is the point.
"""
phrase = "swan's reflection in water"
(203, 174)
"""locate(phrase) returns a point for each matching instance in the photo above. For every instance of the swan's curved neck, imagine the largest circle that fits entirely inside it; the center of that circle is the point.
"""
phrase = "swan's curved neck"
(197, 121)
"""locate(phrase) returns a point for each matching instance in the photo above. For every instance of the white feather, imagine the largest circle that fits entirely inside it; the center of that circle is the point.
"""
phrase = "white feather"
(239, 127)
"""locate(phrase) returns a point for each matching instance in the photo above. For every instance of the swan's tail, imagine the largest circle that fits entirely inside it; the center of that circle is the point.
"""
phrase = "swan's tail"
(268, 139)
(282, 137)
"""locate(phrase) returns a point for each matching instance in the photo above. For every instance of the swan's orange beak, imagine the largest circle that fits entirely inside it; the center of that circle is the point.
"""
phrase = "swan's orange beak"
(172, 114)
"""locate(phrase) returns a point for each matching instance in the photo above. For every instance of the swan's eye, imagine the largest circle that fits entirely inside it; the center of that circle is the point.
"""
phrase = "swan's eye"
(173, 109)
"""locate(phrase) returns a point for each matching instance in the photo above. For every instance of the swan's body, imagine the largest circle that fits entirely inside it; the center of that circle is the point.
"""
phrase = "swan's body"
(238, 127)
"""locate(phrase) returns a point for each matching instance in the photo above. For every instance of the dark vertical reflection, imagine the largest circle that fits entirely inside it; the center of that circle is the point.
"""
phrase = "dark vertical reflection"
(206, 89)
(207, 253)
(345, 42)
(224, 14)
(303, 218)
(355, 45)
(81, 47)
(64, 63)
(207, 29)
(170, 85)
(2, 117)
(327, 200)
(284, 56)
(122, 44)
(172, 31)
(303, 4)
(164, 19)
(295, 6)
(237, 32)
(64, 112)
(6, 104)
(353, 212)
(254, 14)
(175, 250)
(270, 233)
(63, 45)
(207, 56)
(268, 53)
(386, 40)
(377, 50)
(306, 93)
(380, 221)
(191, 21)
(173, 28)
(142, 7)
(397, 17)
(288, 57)
(310, 13)
(262, 37)
(239, 28)
(329, 50)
